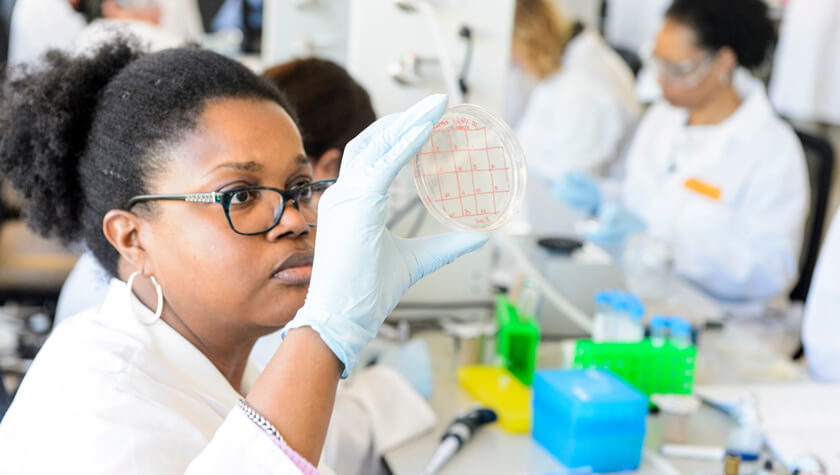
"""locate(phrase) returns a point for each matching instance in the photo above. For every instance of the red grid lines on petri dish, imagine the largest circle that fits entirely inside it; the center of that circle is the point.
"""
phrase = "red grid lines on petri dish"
(473, 166)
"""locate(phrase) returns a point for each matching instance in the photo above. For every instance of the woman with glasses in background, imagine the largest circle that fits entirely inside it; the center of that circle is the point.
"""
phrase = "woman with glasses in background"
(712, 170)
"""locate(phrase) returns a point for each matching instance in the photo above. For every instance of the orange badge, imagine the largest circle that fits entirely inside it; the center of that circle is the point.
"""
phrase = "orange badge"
(701, 187)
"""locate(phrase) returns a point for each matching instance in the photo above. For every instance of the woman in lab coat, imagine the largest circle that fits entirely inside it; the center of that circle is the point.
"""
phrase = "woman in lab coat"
(713, 171)
(821, 326)
(582, 107)
(185, 175)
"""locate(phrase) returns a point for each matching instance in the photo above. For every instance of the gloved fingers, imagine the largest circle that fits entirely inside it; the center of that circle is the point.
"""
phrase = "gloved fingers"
(388, 165)
(430, 109)
(430, 253)
(361, 141)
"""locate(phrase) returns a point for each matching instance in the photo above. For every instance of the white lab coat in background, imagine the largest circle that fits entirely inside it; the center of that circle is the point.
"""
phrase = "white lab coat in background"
(375, 410)
(579, 117)
(108, 394)
(746, 245)
(821, 328)
(805, 84)
(39, 25)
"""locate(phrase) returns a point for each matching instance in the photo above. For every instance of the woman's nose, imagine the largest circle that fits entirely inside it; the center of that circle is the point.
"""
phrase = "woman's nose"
(292, 223)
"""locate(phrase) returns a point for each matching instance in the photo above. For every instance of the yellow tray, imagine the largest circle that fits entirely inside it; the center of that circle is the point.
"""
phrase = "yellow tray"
(499, 390)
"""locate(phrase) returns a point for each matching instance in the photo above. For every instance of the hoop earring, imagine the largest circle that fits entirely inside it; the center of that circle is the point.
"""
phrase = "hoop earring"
(158, 310)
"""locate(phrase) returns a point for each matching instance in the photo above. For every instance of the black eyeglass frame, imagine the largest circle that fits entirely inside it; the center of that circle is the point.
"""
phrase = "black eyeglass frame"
(224, 198)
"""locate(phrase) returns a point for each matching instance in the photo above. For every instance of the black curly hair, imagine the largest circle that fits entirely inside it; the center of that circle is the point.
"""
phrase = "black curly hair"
(81, 135)
(742, 25)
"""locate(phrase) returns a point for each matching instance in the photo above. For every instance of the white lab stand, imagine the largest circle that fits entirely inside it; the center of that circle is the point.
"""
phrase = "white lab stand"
(302, 28)
(402, 52)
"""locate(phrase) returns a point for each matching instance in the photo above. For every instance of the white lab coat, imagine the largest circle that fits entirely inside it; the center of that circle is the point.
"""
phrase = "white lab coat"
(39, 25)
(821, 328)
(746, 245)
(805, 83)
(34, 31)
(108, 394)
(375, 410)
(578, 118)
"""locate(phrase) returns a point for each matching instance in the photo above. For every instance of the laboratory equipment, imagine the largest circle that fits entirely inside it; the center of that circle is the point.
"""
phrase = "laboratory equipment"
(304, 28)
(517, 340)
(658, 330)
(618, 317)
(501, 391)
(471, 174)
(589, 418)
(680, 332)
(674, 413)
(746, 439)
(457, 434)
(652, 370)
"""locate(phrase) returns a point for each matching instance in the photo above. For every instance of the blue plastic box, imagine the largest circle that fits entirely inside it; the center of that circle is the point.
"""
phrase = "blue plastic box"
(589, 418)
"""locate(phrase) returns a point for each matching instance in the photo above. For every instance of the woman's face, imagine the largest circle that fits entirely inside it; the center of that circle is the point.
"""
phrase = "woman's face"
(688, 74)
(213, 278)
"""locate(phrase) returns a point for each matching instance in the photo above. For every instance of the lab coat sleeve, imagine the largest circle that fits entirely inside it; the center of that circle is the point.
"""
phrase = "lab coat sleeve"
(569, 125)
(757, 256)
(375, 411)
(821, 328)
(241, 446)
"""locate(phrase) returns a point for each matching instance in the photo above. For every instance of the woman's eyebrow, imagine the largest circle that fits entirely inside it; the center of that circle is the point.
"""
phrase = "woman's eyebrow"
(242, 166)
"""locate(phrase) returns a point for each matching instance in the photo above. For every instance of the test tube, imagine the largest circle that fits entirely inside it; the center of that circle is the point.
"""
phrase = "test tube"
(680, 330)
(658, 330)
(635, 313)
(603, 311)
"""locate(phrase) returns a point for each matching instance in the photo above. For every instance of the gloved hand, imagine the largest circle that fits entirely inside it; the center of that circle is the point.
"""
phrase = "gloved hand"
(616, 223)
(413, 362)
(579, 191)
(360, 269)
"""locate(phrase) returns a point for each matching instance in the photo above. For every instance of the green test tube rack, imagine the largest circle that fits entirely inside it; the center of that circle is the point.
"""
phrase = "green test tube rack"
(516, 340)
(664, 369)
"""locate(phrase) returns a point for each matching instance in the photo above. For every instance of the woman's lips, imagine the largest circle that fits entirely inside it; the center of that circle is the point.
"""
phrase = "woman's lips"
(296, 268)
(294, 275)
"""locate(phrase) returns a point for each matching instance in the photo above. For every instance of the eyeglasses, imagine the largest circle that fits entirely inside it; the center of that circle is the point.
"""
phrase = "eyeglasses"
(686, 73)
(253, 210)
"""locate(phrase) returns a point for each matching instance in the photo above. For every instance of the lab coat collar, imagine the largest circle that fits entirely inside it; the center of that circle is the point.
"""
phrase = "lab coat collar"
(755, 106)
(192, 367)
(579, 49)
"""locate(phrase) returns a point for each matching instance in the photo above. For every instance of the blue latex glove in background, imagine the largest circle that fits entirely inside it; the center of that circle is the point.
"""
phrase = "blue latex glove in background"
(361, 270)
(579, 191)
(616, 224)
(413, 362)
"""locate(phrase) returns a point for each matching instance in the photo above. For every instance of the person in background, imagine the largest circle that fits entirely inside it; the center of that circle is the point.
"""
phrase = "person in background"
(582, 107)
(712, 171)
(33, 32)
(822, 311)
(331, 106)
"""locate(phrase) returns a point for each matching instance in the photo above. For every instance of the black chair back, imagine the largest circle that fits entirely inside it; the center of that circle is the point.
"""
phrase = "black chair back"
(6, 7)
(819, 156)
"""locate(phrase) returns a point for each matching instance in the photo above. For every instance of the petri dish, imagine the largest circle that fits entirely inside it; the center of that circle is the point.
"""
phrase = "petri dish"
(471, 173)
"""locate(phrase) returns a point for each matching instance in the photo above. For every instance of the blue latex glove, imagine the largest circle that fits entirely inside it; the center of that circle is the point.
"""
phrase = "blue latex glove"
(616, 223)
(360, 269)
(413, 362)
(579, 191)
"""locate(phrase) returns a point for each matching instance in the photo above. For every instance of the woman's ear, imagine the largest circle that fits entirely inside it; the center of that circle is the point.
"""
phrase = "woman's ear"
(326, 166)
(727, 59)
(121, 228)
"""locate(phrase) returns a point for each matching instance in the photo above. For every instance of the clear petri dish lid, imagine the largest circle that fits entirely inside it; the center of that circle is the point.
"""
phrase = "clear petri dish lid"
(471, 173)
